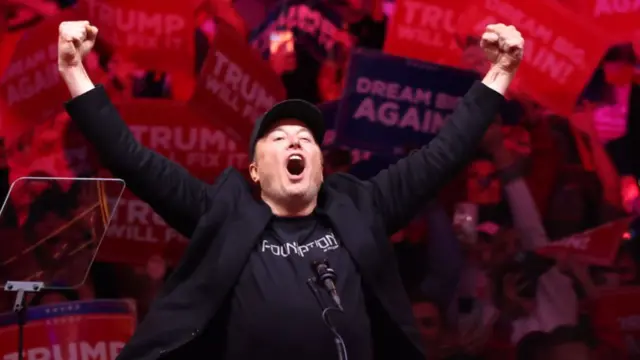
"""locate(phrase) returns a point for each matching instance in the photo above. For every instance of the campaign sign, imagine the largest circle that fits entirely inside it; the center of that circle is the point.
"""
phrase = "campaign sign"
(426, 30)
(597, 246)
(136, 232)
(618, 17)
(392, 103)
(315, 26)
(31, 90)
(73, 330)
(235, 85)
(155, 34)
(562, 49)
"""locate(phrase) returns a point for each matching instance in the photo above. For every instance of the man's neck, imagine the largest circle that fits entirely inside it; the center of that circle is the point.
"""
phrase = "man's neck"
(291, 208)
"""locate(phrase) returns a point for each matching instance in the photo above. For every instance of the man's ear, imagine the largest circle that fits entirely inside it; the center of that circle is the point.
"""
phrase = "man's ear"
(253, 172)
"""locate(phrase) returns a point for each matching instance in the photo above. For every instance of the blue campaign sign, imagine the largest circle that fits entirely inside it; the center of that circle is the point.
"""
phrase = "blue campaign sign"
(392, 103)
(329, 112)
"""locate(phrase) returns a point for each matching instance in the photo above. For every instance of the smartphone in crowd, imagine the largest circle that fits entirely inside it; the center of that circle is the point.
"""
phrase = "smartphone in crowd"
(465, 221)
(281, 38)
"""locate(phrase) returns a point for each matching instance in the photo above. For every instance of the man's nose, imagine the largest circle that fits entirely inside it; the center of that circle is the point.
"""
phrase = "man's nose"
(294, 142)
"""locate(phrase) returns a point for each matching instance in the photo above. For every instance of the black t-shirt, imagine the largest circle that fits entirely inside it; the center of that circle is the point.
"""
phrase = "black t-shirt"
(274, 314)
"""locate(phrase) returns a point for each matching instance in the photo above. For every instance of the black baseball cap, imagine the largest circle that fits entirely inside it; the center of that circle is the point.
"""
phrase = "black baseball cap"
(297, 109)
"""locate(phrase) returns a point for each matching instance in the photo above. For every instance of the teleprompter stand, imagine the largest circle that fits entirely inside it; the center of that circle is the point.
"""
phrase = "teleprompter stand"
(22, 289)
(54, 247)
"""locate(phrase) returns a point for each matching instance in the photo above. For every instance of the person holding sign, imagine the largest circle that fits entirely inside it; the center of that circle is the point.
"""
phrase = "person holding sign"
(242, 290)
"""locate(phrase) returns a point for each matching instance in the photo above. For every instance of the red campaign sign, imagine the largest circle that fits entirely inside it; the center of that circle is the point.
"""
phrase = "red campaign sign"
(561, 49)
(31, 90)
(618, 18)
(136, 233)
(615, 316)
(426, 30)
(74, 330)
(597, 246)
(236, 85)
(157, 35)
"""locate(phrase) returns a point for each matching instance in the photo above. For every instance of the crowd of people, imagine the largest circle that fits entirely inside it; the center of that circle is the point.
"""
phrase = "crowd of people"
(470, 262)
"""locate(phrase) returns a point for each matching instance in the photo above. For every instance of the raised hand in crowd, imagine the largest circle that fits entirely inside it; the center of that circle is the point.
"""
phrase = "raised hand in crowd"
(283, 60)
(595, 155)
(330, 80)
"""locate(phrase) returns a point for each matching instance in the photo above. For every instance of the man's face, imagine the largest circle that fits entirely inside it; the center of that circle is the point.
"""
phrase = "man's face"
(288, 163)
(428, 321)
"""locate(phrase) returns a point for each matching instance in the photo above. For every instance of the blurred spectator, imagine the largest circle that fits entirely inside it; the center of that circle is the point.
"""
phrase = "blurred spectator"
(611, 116)
(152, 84)
(429, 323)
(569, 343)
(283, 60)
(331, 79)
(528, 291)
(577, 201)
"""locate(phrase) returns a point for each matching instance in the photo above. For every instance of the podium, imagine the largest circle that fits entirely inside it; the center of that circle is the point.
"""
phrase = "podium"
(51, 230)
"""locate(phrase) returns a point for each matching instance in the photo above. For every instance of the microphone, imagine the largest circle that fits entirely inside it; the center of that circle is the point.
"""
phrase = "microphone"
(327, 277)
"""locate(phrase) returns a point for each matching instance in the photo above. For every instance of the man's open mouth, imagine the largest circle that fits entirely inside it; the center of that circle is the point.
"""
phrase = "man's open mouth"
(295, 164)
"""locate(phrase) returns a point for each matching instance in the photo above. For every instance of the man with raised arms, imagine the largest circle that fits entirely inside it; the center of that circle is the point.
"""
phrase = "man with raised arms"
(241, 289)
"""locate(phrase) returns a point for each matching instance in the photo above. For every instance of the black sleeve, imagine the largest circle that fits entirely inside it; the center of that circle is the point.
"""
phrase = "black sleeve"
(400, 191)
(179, 198)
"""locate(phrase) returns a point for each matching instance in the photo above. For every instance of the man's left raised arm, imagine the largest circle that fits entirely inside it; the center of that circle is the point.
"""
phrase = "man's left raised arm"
(400, 191)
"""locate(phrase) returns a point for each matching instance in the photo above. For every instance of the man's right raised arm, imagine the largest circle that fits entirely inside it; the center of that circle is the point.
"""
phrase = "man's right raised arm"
(179, 198)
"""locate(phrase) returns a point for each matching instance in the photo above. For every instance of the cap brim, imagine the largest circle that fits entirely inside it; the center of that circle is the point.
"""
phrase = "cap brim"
(300, 110)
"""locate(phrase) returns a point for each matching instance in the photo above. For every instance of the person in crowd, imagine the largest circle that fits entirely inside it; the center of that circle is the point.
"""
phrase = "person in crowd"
(429, 257)
(367, 25)
(597, 159)
(614, 121)
(152, 84)
(331, 79)
(283, 60)
(569, 343)
(430, 324)
(610, 116)
(533, 346)
(577, 201)
(193, 312)
(526, 293)
(319, 78)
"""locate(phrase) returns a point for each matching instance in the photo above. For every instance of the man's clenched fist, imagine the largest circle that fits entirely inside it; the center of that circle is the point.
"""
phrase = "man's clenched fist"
(75, 40)
(503, 45)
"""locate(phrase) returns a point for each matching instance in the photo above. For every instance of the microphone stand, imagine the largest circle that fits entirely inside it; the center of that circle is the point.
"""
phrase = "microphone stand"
(337, 339)
(22, 288)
